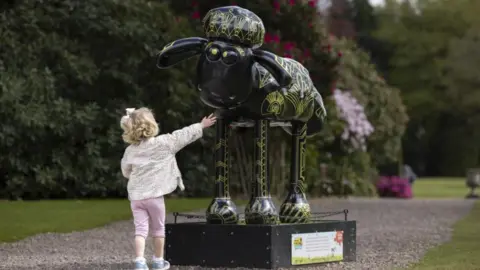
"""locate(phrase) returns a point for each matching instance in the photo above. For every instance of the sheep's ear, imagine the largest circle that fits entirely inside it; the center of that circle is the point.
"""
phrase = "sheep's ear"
(273, 63)
(180, 50)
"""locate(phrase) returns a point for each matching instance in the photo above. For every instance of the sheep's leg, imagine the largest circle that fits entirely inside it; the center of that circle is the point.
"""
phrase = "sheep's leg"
(295, 208)
(261, 209)
(222, 209)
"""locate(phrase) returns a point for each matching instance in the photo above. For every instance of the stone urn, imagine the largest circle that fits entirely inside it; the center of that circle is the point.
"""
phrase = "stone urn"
(473, 181)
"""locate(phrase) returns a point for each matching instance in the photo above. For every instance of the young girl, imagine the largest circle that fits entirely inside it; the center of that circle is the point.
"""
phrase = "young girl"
(150, 166)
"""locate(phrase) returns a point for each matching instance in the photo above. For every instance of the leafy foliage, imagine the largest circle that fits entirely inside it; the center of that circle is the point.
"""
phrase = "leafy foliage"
(385, 111)
(384, 106)
(432, 54)
(69, 69)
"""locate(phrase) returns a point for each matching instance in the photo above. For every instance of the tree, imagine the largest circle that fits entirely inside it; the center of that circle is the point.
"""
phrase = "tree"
(462, 64)
(68, 70)
(340, 18)
(363, 16)
(366, 23)
(420, 36)
(383, 103)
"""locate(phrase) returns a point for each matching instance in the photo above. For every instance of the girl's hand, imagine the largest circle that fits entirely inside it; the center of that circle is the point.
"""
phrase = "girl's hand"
(208, 121)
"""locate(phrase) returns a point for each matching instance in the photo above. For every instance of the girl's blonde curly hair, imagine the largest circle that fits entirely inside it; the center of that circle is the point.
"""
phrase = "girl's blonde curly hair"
(138, 125)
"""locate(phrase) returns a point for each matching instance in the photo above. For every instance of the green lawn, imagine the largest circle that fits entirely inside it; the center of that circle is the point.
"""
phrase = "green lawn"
(25, 218)
(445, 187)
(462, 252)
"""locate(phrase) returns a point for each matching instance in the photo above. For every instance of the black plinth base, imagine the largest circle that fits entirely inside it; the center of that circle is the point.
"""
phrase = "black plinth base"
(252, 246)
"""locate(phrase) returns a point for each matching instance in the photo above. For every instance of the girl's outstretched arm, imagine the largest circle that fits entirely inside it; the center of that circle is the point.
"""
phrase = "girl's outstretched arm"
(182, 137)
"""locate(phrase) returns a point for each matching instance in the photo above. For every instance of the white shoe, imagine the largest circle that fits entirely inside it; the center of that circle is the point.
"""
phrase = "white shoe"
(160, 265)
(141, 265)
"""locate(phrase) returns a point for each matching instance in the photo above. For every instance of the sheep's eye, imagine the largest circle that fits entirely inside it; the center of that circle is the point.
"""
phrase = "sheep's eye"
(213, 53)
(229, 57)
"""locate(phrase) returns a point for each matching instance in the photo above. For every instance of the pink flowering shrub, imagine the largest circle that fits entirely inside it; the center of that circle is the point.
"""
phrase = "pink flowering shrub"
(394, 187)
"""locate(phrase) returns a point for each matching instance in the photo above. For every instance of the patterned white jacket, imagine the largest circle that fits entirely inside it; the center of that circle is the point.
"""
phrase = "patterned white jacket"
(151, 167)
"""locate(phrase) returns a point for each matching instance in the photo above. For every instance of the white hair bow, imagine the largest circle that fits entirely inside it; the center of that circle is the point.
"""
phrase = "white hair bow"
(127, 115)
(130, 111)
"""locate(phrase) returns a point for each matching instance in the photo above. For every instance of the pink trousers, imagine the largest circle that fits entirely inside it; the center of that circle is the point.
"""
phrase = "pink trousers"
(152, 210)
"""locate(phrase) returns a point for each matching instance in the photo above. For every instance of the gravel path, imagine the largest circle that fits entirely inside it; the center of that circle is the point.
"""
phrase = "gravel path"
(390, 234)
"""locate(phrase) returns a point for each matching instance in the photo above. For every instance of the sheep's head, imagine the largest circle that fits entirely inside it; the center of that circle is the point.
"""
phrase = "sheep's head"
(225, 73)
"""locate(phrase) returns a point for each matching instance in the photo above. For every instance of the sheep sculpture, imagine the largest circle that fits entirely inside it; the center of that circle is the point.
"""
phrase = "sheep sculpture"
(245, 83)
